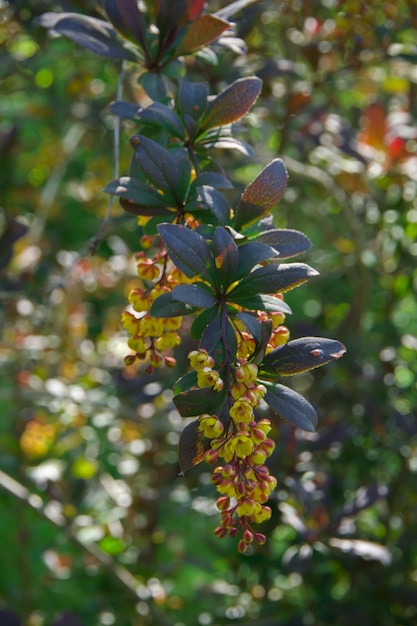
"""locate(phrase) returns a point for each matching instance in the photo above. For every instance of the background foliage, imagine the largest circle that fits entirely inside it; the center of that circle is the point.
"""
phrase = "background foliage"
(119, 539)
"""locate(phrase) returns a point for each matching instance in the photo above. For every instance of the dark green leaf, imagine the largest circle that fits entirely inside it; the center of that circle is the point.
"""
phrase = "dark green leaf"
(185, 382)
(187, 249)
(272, 279)
(89, 32)
(201, 322)
(232, 103)
(197, 401)
(301, 355)
(219, 339)
(154, 86)
(194, 295)
(160, 114)
(262, 194)
(166, 306)
(291, 406)
(262, 303)
(193, 98)
(286, 241)
(226, 255)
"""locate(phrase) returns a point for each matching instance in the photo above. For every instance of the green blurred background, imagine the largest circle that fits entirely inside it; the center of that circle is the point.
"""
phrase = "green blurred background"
(119, 538)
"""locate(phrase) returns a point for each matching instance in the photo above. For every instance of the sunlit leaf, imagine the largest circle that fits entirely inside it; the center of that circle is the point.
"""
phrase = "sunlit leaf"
(201, 32)
(232, 103)
(301, 355)
(262, 194)
(273, 279)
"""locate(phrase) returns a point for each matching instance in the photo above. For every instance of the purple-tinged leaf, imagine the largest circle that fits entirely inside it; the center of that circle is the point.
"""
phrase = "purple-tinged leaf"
(262, 194)
(166, 306)
(125, 110)
(192, 446)
(226, 255)
(262, 303)
(251, 321)
(188, 250)
(194, 295)
(291, 406)
(286, 241)
(300, 355)
(127, 19)
(232, 103)
(157, 163)
(201, 32)
(89, 32)
(273, 279)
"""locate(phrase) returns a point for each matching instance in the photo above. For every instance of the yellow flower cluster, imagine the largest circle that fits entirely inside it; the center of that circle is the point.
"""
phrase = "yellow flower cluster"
(151, 336)
(37, 438)
(244, 483)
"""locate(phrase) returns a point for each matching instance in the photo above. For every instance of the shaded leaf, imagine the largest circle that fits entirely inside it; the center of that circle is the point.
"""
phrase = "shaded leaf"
(301, 355)
(232, 103)
(262, 194)
(252, 323)
(216, 202)
(154, 86)
(250, 254)
(127, 19)
(201, 32)
(212, 179)
(286, 241)
(89, 32)
(217, 335)
(156, 162)
(197, 401)
(185, 382)
(192, 446)
(193, 98)
(161, 115)
(262, 344)
(201, 322)
(194, 295)
(166, 306)
(125, 110)
(273, 279)
(187, 249)
(291, 406)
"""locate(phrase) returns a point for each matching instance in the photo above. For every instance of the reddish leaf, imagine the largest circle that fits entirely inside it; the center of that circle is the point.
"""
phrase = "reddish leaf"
(232, 103)
(194, 9)
(201, 32)
(262, 194)
(192, 446)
